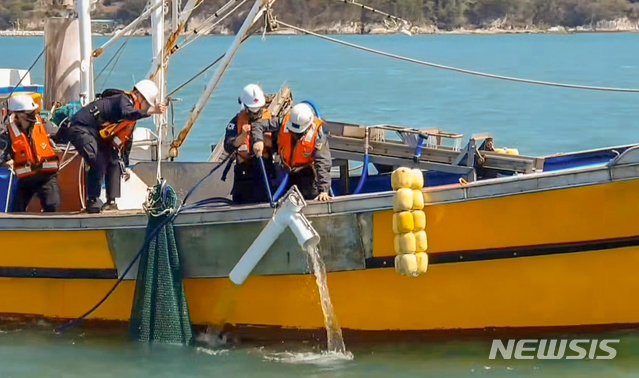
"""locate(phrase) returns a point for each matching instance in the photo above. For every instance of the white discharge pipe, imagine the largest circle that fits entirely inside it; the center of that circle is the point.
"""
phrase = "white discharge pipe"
(288, 215)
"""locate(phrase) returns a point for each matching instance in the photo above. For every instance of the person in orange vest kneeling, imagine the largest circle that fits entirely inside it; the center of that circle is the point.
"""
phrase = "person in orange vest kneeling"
(102, 133)
(248, 184)
(25, 145)
(303, 150)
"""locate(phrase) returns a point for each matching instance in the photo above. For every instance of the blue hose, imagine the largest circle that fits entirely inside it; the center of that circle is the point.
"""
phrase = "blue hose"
(312, 105)
(281, 188)
(317, 113)
(266, 181)
(362, 178)
(418, 149)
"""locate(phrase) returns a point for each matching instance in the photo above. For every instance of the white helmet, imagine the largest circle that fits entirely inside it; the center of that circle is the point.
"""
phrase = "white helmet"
(22, 103)
(252, 97)
(300, 119)
(148, 90)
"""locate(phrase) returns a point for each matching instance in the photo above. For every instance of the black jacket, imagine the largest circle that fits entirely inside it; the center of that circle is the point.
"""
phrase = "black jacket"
(109, 109)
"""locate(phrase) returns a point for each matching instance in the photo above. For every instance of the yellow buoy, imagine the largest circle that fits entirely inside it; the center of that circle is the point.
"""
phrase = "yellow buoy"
(418, 179)
(403, 222)
(421, 241)
(408, 265)
(409, 222)
(405, 243)
(422, 262)
(402, 178)
(403, 200)
(419, 220)
(418, 199)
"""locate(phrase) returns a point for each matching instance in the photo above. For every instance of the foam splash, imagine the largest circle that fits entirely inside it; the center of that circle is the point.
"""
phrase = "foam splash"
(211, 352)
(333, 330)
(212, 338)
(322, 358)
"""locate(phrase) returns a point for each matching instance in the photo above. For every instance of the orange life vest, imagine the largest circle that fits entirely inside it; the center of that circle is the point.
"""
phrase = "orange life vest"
(120, 132)
(245, 149)
(33, 154)
(296, 153)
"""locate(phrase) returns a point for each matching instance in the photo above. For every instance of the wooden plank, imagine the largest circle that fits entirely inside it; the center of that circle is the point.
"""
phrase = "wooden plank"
(494, 160)
(397, 162)
(354, 132)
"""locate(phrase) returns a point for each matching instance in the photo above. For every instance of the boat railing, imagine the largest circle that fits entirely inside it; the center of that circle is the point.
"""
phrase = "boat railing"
(348, 141)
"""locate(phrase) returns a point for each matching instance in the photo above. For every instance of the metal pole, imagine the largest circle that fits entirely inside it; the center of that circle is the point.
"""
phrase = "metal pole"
(172, 39)
(134, 24)
(175, 15)
(157, 27)
(224, 64)
(86, 66)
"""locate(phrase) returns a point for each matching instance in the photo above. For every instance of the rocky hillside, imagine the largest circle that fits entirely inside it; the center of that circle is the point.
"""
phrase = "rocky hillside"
(334, 16)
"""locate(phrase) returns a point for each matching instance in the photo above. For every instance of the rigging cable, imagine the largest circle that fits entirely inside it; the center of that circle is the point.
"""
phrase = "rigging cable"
(460, 70)
(116, 56)
(368, 8)
(198, 33)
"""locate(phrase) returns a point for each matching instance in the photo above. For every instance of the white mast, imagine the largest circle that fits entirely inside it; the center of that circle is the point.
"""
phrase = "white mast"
(175, 15)
(255, 11)
(87, 94)
(157, 27)
(129, 28)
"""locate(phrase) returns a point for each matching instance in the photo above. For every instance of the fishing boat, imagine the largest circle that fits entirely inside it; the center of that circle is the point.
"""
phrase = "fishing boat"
(514, 241)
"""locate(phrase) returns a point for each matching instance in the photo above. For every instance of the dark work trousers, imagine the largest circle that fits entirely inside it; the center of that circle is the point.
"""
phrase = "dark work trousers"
(306, 182)
(44, 185)
(248, 183)
(102, 158)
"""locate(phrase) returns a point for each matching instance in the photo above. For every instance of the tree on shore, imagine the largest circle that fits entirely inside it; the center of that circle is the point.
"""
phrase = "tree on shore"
(445, 14)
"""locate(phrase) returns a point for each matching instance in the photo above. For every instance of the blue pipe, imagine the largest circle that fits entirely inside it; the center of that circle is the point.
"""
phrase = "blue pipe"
(266, 181)
(418, 149)
(280, 189)
(317, 113)
(312, 105)
(362, 178)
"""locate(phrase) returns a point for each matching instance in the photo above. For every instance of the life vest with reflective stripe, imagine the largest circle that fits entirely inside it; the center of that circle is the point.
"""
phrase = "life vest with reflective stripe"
(298, 153)
(32, 154)
(119, 133)
(245, 149)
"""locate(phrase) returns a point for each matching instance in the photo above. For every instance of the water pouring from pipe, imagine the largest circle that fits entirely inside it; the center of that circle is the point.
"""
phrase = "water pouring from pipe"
(287, 215)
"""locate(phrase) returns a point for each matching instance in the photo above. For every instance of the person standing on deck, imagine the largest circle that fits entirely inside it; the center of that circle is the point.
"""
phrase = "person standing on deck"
(25, 145)
(248, 183)
(303, 150)
(102, 133)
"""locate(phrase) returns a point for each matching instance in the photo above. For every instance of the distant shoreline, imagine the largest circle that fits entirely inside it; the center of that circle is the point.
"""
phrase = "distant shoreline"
(378, 31)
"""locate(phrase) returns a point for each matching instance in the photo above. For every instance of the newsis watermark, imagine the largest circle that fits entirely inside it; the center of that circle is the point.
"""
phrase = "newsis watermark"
(543, 349)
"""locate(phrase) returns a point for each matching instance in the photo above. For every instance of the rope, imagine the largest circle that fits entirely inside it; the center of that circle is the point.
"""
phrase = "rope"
(80, 185)
(461, 70)
(116, 56)
(212, 17)
(197, 34)
(147, 240)
(37, 59)
(366, 7)
(181, 86)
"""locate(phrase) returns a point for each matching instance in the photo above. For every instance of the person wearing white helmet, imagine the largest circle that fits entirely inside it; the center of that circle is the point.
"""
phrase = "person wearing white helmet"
(303, 149)
(248, 184)
(26, 147)
(102, 132)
